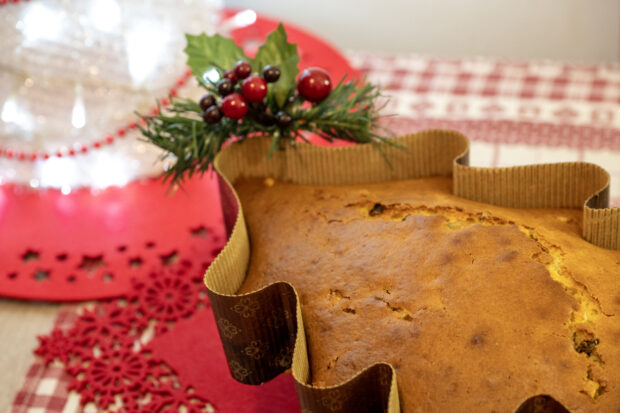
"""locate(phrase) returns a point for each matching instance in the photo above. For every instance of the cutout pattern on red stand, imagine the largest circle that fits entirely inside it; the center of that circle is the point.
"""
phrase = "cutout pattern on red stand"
(106, 350)
(88, 245)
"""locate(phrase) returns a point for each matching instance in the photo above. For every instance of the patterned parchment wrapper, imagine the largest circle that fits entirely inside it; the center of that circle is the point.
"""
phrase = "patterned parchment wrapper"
(263, 331)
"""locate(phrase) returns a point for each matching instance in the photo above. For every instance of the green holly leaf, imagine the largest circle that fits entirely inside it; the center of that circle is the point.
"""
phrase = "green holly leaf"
(207, 52)
(278, 51)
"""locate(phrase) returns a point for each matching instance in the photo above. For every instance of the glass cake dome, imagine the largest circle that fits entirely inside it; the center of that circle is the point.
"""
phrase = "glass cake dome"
(72, 76)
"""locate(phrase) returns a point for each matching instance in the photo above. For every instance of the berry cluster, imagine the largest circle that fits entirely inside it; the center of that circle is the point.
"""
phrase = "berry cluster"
(243, 103)
(314, 85)
(235, 97)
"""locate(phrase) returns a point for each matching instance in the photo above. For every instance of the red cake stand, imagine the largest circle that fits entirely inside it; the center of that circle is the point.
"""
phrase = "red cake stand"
(88, 244)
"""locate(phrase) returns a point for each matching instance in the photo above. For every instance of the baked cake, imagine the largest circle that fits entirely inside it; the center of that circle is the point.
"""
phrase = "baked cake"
(477, 307)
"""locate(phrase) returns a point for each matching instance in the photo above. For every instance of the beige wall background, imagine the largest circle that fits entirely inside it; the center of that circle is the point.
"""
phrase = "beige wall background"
(568, 30)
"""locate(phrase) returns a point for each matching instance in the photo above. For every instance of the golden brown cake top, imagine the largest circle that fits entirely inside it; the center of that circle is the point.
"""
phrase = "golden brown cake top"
(477, 307)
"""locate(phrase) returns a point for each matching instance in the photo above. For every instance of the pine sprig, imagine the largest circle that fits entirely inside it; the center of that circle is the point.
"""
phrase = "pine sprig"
(348, 113)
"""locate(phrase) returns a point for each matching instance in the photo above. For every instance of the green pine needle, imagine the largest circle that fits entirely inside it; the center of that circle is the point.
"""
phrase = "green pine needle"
(348, 113)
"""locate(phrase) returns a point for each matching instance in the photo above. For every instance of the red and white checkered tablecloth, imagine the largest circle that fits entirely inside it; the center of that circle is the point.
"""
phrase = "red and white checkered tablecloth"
(45, 387)
(514, 113)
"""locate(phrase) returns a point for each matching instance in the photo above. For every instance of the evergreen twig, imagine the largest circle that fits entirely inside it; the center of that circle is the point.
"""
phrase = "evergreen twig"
(348, 113)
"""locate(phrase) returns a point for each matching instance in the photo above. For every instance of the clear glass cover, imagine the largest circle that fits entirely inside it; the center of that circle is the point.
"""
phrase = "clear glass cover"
(72, 72)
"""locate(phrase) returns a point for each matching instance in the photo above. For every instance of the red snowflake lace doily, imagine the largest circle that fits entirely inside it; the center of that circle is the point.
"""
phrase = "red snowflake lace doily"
(106, 351)
(156, 349)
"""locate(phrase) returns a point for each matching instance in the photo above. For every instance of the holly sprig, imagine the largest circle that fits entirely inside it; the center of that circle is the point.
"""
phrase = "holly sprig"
(277, 104)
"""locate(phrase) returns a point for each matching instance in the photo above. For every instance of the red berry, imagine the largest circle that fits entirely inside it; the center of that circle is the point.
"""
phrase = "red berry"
(207, 101)
(234, 106)
(242, 69)
(212, 115)
(314, 84)
(271, 73)
(230, 74)
(225, 87)
(283, 119)
(254, 89)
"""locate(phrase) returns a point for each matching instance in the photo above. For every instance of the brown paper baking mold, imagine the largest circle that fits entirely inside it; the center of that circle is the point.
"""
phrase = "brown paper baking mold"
(259, 330)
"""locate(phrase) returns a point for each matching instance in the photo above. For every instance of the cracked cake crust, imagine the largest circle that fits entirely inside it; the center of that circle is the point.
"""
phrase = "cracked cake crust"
(476, 306)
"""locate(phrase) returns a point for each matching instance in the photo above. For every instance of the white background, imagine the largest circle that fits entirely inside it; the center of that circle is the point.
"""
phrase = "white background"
(567, 30)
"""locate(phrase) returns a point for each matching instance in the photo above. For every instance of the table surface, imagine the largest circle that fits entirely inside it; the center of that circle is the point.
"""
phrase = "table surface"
(515, 112)
(20, 323)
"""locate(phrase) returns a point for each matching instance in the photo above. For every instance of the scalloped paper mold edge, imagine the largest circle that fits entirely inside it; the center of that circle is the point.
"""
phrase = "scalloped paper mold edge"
(257, 352)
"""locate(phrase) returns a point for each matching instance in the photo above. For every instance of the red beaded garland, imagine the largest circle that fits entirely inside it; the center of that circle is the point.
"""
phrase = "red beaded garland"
(109, 138)
(3, 2)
